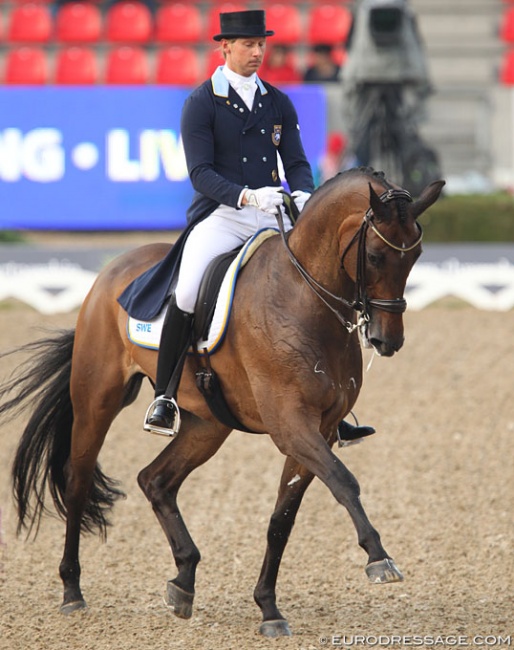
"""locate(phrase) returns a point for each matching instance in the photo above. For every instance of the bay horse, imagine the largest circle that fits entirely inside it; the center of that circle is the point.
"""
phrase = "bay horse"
(290, 366)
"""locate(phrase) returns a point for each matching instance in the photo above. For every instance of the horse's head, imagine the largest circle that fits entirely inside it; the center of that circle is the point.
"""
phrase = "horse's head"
(378, 250)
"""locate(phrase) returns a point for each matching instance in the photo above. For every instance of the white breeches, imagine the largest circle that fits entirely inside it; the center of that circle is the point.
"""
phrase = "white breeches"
(219, 233)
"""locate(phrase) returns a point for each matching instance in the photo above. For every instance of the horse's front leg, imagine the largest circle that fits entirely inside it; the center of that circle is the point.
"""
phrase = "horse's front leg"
(295, 480)
(313, 452)
(160, 481)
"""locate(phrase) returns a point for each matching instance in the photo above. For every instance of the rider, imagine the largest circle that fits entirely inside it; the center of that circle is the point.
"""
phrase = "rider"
(233, 126)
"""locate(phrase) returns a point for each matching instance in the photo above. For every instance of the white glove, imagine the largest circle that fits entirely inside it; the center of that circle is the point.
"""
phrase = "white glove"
(266, 199)
(300, 198)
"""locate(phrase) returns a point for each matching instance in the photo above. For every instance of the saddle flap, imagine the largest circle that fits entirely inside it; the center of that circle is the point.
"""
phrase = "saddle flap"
(208, 292)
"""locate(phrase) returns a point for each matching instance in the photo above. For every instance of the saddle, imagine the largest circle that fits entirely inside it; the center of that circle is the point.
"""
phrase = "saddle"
(207, 381)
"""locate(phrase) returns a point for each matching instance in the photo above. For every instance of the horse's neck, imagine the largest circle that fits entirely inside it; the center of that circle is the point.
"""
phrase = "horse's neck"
(315, 243)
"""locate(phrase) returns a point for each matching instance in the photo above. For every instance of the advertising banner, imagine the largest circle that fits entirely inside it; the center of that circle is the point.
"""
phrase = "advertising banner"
(107, 158)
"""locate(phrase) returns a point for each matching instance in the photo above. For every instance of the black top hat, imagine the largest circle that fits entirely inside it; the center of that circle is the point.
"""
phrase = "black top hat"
(241, 24)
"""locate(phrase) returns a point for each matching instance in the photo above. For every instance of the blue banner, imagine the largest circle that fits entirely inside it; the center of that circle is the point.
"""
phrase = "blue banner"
(107, 158)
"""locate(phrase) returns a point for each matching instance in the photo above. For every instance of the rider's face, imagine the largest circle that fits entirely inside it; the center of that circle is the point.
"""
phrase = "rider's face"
(244, 55)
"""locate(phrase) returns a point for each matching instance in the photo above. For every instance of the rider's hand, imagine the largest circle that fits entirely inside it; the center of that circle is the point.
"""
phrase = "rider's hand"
(300, 198)
(266, 199)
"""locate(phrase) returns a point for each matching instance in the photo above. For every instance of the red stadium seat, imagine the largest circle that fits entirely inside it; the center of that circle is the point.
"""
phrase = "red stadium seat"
(213, 16)
(126, 65)
(177, 65)
(507, 69)
(128, 22)
(178, 23)
(30, 23)
(286, 21)
(78, 22)
(507, 26)
(26, 65)
(328, 23)
(76, 66)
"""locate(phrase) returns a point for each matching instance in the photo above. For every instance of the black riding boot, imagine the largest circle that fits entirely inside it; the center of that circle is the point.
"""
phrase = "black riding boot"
(347, 432)
(173, 346)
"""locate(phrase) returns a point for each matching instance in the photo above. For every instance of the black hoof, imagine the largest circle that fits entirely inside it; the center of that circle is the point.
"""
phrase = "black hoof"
(75, 606)
(275, 629)
(179, 600)
(383, 571)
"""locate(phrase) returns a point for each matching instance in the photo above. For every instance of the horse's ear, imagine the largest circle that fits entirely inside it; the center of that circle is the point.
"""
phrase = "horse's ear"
(379, 209)
(427, 197)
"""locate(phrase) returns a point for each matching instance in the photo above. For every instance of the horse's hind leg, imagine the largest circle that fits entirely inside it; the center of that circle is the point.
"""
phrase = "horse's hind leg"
(161, 480)
(97, 397)
(295, 480)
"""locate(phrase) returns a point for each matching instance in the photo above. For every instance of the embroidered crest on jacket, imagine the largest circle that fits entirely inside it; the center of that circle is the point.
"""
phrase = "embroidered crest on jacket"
(277, 134)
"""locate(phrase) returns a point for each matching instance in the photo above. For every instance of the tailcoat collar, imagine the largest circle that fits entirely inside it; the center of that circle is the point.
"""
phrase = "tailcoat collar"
(221, 85)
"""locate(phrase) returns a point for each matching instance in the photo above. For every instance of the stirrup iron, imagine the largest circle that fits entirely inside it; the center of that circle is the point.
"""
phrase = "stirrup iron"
(152, 428)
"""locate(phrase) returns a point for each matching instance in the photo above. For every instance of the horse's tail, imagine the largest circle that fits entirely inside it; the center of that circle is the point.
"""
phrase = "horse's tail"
(42, 383)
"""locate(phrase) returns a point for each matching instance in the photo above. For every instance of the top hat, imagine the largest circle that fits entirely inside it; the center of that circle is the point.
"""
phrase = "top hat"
(243, 24)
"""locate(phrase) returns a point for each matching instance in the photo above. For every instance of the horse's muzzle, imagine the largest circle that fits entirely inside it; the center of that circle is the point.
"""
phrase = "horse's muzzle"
(386, 348)
(385, 341)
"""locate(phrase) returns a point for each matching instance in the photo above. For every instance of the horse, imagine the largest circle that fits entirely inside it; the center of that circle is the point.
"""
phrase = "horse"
(290, 366)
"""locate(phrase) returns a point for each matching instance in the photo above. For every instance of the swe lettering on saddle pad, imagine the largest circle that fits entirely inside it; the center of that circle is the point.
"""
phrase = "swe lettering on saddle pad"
(147, 334)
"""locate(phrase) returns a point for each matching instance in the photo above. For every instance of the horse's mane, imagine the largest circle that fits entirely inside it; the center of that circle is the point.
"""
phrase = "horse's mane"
(350, 173)
(367, 172)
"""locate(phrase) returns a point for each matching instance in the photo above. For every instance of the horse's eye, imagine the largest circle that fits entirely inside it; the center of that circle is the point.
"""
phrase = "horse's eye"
(375, 259)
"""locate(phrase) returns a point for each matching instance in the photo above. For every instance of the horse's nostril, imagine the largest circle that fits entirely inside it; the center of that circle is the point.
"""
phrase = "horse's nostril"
(384, 349)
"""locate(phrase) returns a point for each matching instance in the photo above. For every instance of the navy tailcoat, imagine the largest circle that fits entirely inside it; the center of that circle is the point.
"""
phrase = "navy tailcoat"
(227, 148)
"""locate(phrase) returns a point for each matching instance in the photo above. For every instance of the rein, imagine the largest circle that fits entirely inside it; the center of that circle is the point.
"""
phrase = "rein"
(361, 302)
(317, 288)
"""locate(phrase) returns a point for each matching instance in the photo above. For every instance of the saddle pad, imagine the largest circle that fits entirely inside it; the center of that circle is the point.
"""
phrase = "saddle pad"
(147, 334)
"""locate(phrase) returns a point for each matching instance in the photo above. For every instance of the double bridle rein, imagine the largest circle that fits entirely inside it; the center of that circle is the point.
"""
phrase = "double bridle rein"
(361, 302)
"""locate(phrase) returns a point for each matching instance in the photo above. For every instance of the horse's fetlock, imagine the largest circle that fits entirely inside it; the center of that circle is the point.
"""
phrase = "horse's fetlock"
(370, 542)
(69, 570)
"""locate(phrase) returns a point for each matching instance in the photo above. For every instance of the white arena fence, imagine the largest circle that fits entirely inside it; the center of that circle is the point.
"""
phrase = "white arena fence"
(61, 286)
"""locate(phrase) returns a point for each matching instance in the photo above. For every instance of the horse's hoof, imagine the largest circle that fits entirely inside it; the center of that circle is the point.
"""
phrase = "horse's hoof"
(275, 628)
(74, 606)
(383, 571)
(181, 601)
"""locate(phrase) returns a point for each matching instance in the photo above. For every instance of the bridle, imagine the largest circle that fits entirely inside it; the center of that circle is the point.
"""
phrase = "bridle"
(361, 302)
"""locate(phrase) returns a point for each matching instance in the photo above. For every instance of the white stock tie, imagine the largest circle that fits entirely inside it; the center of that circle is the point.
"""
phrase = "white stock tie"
(246, 90)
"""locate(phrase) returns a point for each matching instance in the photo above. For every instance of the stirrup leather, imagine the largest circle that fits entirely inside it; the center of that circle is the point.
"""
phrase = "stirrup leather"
(170, 433)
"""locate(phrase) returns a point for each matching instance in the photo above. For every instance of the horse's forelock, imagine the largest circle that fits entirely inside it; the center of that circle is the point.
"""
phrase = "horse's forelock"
(400, 203)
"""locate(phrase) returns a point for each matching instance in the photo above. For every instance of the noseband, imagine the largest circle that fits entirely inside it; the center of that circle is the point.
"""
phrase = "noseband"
(361, 303)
